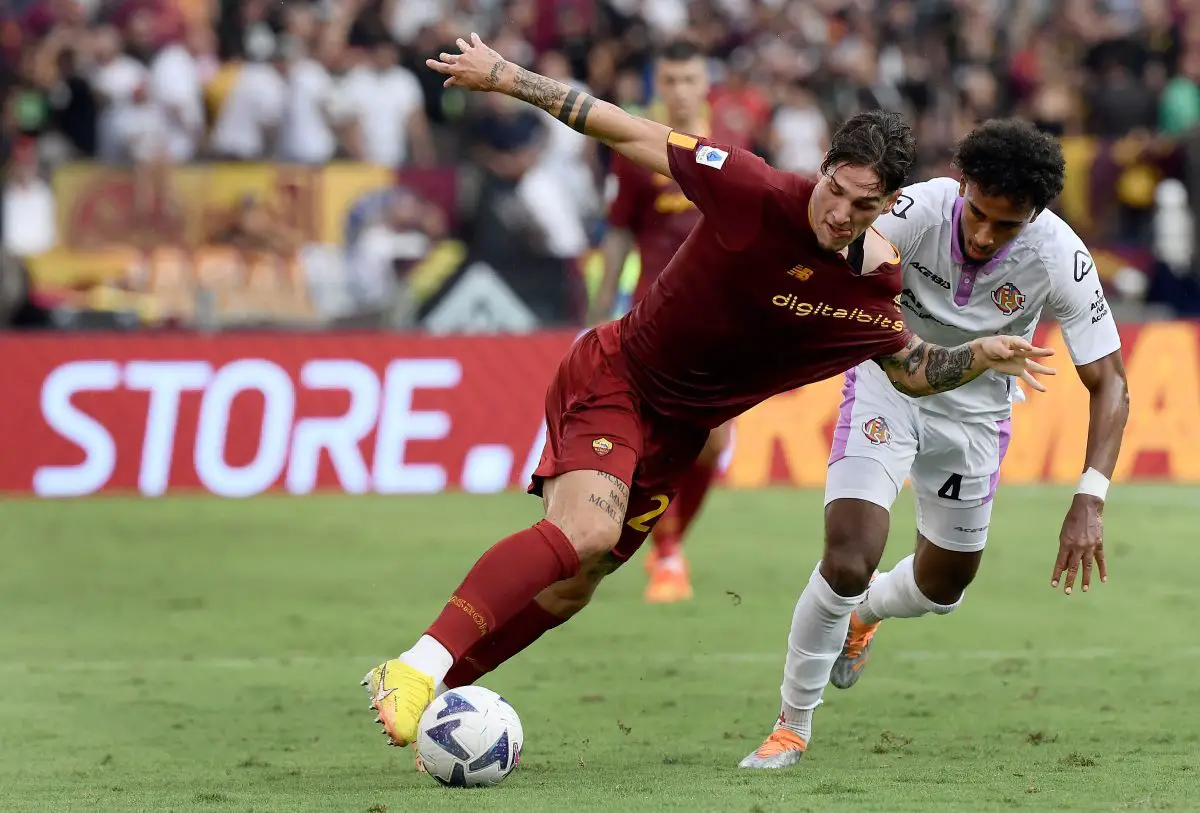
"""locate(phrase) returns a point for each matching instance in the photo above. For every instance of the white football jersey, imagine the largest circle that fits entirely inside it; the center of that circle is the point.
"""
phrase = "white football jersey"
(947, 304)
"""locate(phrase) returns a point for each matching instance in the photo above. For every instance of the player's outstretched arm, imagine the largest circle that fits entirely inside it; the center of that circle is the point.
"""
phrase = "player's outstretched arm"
(479, 67)
(922, 368)
(1081, 540)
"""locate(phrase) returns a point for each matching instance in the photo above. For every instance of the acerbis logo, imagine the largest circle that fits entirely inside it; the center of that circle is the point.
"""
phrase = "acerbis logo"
(928, 273)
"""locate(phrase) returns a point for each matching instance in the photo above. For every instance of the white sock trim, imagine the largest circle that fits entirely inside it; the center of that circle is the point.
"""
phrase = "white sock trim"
(895, 594)
(430, 657)
(828, 597)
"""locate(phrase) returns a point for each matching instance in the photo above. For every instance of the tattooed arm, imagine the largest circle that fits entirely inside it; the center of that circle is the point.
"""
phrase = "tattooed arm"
(478, 67)
(924, 369)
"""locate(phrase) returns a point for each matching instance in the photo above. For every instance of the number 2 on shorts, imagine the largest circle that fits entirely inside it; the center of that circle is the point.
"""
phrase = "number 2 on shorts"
(641, 523)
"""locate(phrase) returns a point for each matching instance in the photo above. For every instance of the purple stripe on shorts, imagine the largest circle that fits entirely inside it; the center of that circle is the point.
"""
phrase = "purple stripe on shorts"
(1004, 431)
(841, 430)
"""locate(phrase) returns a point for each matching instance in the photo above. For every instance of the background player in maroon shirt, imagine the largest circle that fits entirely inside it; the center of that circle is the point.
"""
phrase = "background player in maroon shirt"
(781, 284)
(651, 211)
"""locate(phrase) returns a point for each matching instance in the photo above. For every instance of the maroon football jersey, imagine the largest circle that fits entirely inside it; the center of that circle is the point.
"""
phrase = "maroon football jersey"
(751, 305)
(656, 210)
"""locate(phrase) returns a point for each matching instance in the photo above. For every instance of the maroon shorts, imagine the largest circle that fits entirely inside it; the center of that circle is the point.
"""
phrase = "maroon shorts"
(595, 422)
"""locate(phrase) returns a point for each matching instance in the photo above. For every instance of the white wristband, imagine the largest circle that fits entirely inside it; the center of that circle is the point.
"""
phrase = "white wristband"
(1093, 483)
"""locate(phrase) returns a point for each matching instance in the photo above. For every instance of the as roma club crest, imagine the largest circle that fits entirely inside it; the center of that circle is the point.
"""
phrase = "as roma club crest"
(602, 446)
(877, 431)
(1008, 298)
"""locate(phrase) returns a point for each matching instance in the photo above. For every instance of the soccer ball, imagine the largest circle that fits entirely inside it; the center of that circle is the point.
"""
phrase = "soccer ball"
(470, 737)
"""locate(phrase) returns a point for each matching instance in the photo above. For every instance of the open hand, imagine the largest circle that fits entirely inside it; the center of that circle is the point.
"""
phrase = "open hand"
(1014, 356)
(1080, 543)
(477, 67)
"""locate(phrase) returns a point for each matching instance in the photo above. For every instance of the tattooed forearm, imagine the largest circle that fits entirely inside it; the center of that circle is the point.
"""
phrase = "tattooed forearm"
(915, 358)
(924, 369)
(948, 366)
(556, 98)
(494, 75)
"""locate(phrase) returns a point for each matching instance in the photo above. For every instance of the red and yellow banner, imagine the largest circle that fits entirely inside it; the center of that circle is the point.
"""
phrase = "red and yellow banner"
(786, 439)
(238, 414)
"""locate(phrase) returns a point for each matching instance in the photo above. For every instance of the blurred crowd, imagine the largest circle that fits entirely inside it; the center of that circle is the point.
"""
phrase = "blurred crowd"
(160, 83)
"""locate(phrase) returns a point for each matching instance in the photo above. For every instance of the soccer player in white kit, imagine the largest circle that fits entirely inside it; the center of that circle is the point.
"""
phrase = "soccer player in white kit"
(981, 256)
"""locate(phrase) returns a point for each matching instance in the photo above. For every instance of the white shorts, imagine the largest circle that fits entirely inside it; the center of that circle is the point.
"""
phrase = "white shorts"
(883, 438)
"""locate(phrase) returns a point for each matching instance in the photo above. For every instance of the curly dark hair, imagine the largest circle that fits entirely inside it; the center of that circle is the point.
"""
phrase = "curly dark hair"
(1010, 158)
(876, 139)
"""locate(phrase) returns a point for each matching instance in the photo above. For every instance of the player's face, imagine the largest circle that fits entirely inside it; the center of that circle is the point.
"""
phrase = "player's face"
(846, 201)
(989, 223)
(683, 88)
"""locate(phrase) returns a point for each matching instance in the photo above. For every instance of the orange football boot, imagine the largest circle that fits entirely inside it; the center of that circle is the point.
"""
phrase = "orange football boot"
(782, 749)
(668, 584)
(855, 653)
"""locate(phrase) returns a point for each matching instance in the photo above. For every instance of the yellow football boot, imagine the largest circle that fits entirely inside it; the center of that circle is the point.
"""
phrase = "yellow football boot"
(399, 695)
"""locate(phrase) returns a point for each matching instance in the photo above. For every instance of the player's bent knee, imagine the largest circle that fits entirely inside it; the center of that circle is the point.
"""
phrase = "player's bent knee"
(855, 535)
(589, 536)
(589, 508)
(848, 571)
(943, 572)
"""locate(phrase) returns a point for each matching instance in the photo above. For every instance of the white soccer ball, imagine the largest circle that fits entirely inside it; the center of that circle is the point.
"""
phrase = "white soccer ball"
(470, 737)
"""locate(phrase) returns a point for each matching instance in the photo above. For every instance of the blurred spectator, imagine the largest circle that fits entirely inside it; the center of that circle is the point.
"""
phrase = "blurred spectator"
(506, 137)
(799, 132)
(251, 113)
(313, 82)
(741, 109)
(29, 216)
(177, 77)
(399, 233)
(307, 133)
(115, 77)
(1180, 108)
(386, 101)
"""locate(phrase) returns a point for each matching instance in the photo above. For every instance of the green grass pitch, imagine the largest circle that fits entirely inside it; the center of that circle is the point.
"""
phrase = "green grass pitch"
(197, 654)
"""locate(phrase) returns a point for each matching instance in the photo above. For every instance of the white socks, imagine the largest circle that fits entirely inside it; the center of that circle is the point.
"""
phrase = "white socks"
(818, 633)
(895, 595)
(675, 563)
(430, 657)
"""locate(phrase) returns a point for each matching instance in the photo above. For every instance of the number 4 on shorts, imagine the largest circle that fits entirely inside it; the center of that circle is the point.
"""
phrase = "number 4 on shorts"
(950, 488)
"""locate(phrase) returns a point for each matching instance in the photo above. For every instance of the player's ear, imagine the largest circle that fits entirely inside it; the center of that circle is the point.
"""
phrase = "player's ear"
(891, 201)
(962, 187)
(1035, 214)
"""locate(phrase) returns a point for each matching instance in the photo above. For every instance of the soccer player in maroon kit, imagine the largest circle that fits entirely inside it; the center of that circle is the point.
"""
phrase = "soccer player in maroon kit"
(652, 212)
(782, 283)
